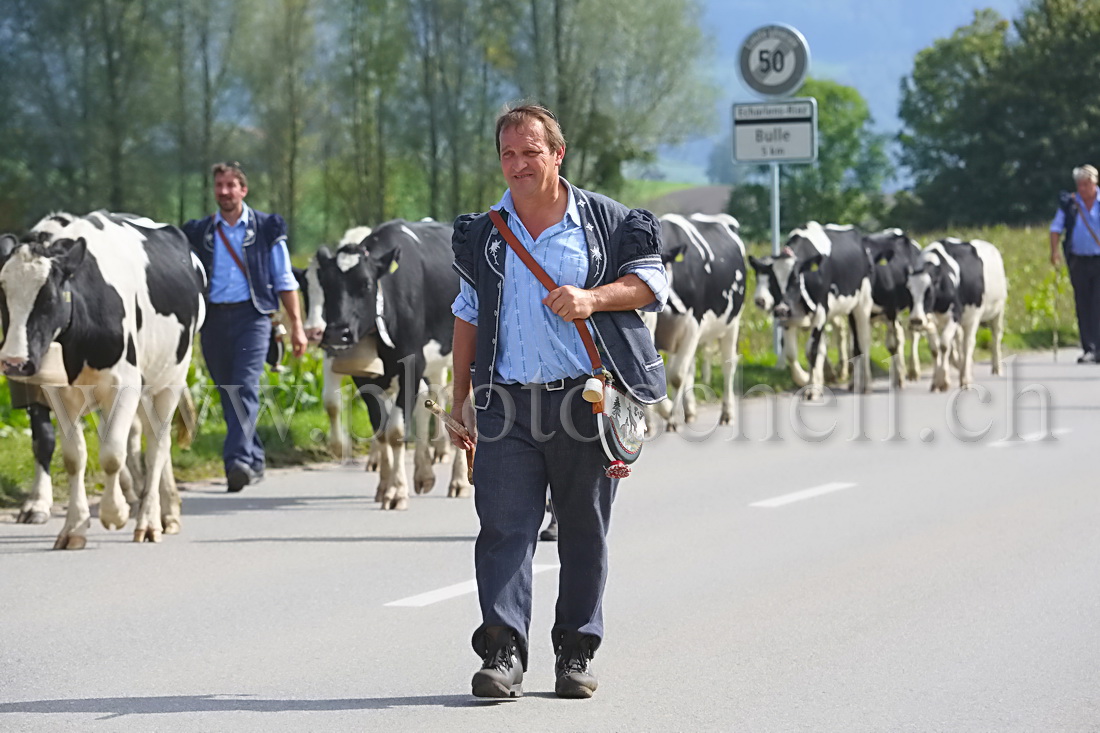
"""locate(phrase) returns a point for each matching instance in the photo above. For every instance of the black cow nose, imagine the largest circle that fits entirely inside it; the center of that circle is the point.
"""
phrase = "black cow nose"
(783, 311)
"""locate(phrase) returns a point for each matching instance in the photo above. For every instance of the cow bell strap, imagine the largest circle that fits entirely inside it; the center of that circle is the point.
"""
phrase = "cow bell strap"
(230, 250)
(548, 283)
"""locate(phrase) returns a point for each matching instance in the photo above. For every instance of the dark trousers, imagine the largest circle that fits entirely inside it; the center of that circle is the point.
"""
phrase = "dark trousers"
(1084, 274)
(514, 464)
(234, 344)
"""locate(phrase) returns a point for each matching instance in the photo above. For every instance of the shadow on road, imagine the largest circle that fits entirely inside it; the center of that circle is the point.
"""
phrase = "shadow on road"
(114, 707)
(206, 503)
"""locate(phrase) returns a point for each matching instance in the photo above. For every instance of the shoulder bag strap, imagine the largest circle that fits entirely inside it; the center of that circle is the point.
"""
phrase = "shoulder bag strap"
(232, 253)
(1085, 218)
(547, 282)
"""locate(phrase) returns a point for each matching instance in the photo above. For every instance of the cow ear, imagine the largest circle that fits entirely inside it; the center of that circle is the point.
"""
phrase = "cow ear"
(323, 254)
(383, 261)
(812, 264)
(755, 264)
(69, 254)
(8, 243)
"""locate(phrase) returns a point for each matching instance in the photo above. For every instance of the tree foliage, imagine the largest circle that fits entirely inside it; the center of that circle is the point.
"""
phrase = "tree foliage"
(342, 111)
(997, 115)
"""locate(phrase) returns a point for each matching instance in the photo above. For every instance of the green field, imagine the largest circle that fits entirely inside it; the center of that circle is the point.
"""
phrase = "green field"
(1040, 316)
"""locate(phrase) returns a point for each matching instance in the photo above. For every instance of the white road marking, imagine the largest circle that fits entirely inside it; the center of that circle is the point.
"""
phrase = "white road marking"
(800, 495)
(451, 591)
(1028, 438)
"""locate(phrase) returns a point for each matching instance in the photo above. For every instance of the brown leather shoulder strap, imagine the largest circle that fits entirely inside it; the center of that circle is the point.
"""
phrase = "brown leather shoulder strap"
(547, 282)
(232, 253)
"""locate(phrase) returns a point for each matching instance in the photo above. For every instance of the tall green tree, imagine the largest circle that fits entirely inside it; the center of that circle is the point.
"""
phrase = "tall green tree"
(996, 115)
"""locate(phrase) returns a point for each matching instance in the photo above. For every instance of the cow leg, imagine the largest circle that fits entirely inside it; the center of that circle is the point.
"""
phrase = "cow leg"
(815, 353)
(945, 345)
(372, 392)
(460, 486)
(860, 323)
(893, 345)
(156, 420)
(423, 473)
(439, 384)
(122, 404)
(681, 374)
(727, 352)
(396, 493)
(790, 351)
(132, 476)
(913, 367)
(169, 498)
(74, 404)
(331, 397)
(969, 339)
(36, 509)
(844, 338)
(998, 328)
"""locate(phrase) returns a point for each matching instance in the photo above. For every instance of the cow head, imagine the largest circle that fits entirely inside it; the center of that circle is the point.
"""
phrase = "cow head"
(350, 287)
(35, 299)
(803, 284)
(932, 285)
(767, 287)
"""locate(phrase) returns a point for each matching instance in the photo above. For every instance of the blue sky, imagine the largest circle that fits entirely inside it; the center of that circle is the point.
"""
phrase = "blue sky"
(867, 44)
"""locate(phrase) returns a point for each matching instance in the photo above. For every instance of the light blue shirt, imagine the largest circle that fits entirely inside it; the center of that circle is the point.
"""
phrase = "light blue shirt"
(227, 282)
(1082, 243)
(535, 344)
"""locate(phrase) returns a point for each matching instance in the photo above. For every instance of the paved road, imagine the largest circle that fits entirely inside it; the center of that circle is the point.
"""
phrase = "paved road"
(840, 585)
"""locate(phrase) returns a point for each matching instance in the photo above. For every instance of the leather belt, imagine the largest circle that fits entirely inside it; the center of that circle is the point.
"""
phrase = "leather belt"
(231, 305)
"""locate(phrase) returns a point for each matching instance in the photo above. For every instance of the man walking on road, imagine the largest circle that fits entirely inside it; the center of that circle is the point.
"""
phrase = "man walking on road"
(1078, 219)
(529, 368)
(247, 264)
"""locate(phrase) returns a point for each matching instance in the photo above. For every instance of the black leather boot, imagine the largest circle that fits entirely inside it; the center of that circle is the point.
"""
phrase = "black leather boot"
(574, 655)
(501, 673)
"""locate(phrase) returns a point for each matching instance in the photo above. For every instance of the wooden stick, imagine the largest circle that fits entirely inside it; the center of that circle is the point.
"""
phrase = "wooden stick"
(458, 429)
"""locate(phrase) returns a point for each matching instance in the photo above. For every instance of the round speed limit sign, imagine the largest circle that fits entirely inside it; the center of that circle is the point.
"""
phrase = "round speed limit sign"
(774, 60)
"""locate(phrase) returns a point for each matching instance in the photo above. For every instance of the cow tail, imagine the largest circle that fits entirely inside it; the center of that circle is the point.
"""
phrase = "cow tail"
(186, 420)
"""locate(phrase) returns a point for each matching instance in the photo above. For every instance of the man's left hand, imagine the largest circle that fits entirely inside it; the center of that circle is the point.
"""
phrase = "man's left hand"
(571, 303)
(298, 341)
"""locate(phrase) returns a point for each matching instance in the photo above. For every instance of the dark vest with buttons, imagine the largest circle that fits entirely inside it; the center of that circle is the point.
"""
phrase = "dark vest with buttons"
(617, 237)
(262, 233)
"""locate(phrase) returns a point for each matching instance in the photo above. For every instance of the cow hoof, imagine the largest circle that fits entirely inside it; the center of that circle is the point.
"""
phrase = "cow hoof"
(459, 490)
(32, 516)
(673, 427)
(114, 517)
(380, 494)
(397, 504)
(147, 535)
(171, 526)
(811, 396)
(913, 376)
(70, 542)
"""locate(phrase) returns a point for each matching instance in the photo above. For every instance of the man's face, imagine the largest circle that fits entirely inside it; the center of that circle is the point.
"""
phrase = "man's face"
(527, 162)
(229, 192)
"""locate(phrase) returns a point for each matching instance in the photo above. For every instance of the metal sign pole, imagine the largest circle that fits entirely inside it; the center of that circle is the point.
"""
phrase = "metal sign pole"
(777, 336)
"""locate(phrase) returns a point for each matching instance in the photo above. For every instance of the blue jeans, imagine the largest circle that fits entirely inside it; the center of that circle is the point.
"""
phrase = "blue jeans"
(511, 473)
(234, 344)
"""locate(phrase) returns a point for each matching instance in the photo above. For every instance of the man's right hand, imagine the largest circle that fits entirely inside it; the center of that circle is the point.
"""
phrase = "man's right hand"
(1055, 258)
(463, 413)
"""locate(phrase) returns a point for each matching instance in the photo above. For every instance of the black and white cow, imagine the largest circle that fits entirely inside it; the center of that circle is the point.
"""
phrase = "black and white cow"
(893, 256)
(705, 261)
(124, 298)
(396, 287)
(36, 508)
(823, 273)
(767, 294)
(956, 287)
